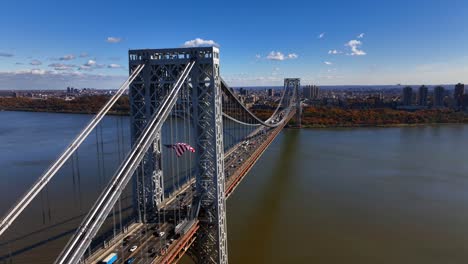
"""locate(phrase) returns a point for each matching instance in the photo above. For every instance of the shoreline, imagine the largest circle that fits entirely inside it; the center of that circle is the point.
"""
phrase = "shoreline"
(381, 126)
(113, 113)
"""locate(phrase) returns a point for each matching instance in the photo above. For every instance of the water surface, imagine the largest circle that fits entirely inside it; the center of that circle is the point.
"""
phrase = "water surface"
(362, 195)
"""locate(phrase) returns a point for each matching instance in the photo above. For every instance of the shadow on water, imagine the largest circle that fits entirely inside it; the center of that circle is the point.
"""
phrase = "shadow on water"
(97, 240)
(268, 215)
(37, 244)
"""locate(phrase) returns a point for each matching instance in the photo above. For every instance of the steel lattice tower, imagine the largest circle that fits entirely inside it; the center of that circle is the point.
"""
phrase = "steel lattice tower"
(160, 74)
(295, 83)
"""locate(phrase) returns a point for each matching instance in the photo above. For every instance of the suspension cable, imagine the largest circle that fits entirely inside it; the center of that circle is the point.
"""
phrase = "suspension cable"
(266, 123)
(49, 174)
(89, 227)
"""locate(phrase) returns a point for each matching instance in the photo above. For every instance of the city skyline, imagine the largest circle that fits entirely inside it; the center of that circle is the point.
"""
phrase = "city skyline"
(54, 45)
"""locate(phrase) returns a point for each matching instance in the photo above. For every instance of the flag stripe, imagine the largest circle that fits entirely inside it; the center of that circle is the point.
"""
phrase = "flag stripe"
(180, 148)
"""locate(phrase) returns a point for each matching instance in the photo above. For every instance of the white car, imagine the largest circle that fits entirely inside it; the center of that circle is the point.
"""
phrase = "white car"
(161, 234)
(133, 248)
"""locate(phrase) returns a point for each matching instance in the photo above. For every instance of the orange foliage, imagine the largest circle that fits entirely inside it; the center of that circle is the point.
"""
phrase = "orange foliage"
(332, 116)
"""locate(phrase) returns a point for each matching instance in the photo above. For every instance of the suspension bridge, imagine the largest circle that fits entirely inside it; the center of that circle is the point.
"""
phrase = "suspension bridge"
(177, 203)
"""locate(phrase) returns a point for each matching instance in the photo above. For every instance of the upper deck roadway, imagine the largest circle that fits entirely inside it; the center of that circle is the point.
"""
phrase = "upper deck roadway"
(168, 248)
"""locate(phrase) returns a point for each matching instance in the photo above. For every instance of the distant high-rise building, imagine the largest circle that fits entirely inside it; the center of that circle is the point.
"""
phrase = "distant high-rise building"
(422, 95)
(310, 92)
(243, 91)
(407, 98)
(270, 92)
(306, 92)
(438, 99)
(458, 95)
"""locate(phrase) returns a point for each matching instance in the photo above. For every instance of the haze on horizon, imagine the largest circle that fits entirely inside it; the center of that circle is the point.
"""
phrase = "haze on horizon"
(52, 45)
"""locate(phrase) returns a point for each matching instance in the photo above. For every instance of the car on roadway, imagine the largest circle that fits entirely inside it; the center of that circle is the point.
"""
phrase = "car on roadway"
(130, 260)
(133, 248)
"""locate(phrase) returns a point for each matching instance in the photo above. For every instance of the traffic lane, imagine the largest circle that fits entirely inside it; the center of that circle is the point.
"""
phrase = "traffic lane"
(133, 240)
(130, 242)
(154, 243)
(161, 248)
(154, 246)
(242, 153)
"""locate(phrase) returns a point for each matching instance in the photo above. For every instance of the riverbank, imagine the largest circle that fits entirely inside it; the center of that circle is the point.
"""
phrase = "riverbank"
(378, 126)
(80, 105)
(313, 117)
(333, 117)
(111, 112)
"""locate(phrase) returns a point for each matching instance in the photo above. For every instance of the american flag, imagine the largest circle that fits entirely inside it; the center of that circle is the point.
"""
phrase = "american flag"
(180, 148)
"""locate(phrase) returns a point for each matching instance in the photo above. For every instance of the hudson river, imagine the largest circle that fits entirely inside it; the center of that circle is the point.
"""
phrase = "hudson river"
(361, 195)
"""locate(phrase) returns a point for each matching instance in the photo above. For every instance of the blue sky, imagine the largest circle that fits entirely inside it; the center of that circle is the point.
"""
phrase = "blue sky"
(54, 44)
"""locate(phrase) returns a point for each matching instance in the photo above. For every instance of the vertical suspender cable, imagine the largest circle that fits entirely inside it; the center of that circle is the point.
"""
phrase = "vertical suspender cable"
(102, 154)
(94, 220)
(72, 161)
(98, 158)
(80, 196)
(12, 214)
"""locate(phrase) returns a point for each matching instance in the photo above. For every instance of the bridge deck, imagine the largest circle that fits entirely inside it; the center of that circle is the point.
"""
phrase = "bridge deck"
(236, 177)
(238, 163)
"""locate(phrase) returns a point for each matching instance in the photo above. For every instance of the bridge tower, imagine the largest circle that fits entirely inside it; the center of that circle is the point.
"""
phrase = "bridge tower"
(295, 83)
(163, 66)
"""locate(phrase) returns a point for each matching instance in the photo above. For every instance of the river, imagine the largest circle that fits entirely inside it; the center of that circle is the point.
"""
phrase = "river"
(360, 195)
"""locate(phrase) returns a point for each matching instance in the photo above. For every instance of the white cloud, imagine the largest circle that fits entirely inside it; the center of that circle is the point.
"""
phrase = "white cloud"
(321, 35)
(277, 55)
(250, 80)
(198, 42)
(85, 68)
(361, 35)
(6, 54)
(28, 71)
(84, 55)
(114, 66)
(354, 45)
(328, 63)
(334, 52)
(35, 62)
(90, 63)
(67, 57)
(113, 39)
(62, 67)
(39, 71)
(258, 56)
(45, 79)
